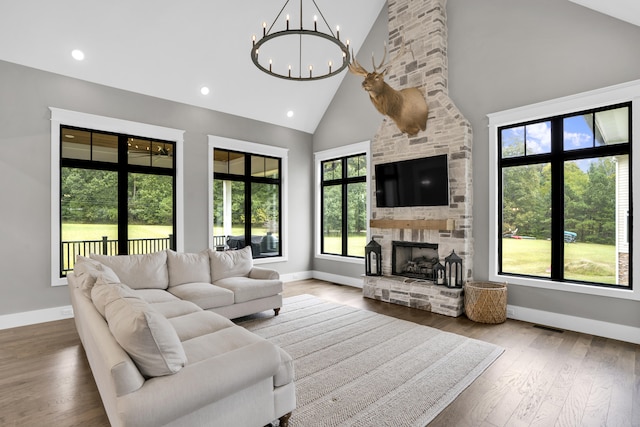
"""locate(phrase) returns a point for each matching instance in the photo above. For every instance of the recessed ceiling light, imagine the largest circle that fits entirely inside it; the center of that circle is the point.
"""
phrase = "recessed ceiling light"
(204, 90)
(289, 113)
(77, 54)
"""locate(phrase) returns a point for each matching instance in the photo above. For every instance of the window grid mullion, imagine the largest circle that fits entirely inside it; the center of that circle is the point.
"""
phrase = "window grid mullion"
(123, 196)
(557, 200)
(247, 200)
(345, 231)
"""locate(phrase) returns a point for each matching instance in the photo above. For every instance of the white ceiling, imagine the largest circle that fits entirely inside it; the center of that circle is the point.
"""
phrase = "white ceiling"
(170, 49)
(625, 10)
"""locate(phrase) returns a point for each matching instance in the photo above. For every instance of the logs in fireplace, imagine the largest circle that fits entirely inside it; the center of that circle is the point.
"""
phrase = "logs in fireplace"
(414, 259)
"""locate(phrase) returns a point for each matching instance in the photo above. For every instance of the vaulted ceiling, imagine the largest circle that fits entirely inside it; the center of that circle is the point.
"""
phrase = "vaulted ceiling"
(170, 49)
(625, 10)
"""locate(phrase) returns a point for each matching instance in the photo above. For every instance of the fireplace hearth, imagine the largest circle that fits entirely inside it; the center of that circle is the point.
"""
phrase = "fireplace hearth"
(414, 259)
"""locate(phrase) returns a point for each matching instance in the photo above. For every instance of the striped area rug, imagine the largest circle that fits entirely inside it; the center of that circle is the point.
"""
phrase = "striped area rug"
(359, 368)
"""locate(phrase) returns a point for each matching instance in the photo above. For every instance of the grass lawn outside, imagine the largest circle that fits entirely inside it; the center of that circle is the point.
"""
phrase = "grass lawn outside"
(79, 232)
(95, 232)
(355, 244)
(588, 262)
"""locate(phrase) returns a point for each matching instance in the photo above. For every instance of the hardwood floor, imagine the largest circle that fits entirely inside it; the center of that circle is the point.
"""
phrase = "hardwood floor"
(544, 377)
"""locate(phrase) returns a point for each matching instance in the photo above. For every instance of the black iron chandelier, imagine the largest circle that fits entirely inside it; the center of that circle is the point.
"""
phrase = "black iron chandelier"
(300, 45)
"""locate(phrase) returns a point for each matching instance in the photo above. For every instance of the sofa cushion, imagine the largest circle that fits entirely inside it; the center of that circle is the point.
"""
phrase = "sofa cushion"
(155, 295)
(102, 293)
(188, 267)
(230, 263)
(87, 272)
(205, 295)
(145, 334)
(170, 309)
(148, 271)
(199, 323)
(216, 343)
(247, 289)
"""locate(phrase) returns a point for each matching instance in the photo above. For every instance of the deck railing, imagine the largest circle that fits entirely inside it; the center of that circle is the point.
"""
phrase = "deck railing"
(219, 242)
(106, 246)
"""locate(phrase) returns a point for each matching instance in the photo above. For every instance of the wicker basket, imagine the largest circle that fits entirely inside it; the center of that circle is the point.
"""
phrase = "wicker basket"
(485, 302)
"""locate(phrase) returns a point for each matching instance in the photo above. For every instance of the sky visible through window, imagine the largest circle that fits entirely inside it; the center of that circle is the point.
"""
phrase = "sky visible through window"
(577, 135)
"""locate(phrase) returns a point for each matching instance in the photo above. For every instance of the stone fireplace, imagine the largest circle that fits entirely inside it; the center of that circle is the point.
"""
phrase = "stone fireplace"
(422, 26)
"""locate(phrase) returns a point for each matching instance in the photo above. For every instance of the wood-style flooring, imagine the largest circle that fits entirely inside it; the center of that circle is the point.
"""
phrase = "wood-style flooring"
(544, 377)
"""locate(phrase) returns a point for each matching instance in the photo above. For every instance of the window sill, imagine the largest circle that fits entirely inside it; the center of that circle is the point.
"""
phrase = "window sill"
(269, 260)
(338, 258)
(627, 294)
(62, 281)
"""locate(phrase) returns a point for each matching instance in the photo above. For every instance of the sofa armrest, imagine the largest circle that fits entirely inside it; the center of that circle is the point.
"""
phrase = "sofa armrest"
(263, 274)
(165, 399)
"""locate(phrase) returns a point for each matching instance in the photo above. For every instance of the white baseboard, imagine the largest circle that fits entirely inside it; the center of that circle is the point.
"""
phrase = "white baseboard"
(321, 275)
(36, 316)
(356, 282)
(578, 324)
(292, 277)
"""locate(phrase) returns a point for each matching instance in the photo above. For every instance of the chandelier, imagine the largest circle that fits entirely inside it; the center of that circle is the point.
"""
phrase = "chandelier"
(298, 48)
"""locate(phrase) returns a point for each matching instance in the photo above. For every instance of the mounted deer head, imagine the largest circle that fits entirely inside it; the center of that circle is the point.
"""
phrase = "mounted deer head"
(406, 107)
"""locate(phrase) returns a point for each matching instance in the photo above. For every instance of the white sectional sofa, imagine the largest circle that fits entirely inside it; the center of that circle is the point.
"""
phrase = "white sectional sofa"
(162, 349)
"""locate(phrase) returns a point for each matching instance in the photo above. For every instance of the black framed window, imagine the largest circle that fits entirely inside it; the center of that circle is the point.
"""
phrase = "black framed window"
(565, 203)
(247, 202)
(117, 194)
(344, 205)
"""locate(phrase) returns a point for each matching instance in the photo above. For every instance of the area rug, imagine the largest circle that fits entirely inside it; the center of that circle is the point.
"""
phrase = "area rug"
(359, 368)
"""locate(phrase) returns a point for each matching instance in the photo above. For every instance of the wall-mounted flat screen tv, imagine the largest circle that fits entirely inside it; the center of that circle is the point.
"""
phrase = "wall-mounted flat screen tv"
(415, 182)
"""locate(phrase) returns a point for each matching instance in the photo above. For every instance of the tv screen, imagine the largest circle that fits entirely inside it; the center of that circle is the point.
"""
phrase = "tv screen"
(415, 182)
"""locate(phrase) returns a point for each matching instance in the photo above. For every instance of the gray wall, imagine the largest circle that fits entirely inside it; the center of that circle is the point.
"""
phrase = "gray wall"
(509, 53)
(352, 118)
(504, 54)
(25, 138)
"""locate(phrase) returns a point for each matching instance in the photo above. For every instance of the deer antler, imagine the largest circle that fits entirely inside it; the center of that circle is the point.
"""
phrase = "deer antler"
(385, 67)
(355, 67)
(373, 61)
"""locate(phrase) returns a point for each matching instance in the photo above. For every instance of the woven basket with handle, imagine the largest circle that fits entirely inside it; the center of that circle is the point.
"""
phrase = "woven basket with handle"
(485, 302)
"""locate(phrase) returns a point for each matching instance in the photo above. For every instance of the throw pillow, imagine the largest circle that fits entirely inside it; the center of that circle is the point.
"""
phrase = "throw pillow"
(87, 272)
(230, 263)
(148, 271)
(145, 334)
(188, 268)
(102, 294)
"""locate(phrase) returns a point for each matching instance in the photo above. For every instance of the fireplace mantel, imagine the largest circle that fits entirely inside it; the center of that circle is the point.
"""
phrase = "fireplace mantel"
(414, 224)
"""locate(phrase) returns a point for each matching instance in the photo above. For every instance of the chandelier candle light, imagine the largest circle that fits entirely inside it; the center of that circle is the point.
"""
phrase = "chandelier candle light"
(300, 45)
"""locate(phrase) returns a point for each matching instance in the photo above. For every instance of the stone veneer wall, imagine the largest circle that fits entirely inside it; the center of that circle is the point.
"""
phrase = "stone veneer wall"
(422, 26)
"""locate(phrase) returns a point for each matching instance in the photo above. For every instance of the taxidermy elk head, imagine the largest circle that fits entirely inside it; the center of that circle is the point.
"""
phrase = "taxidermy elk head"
(406, 107)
